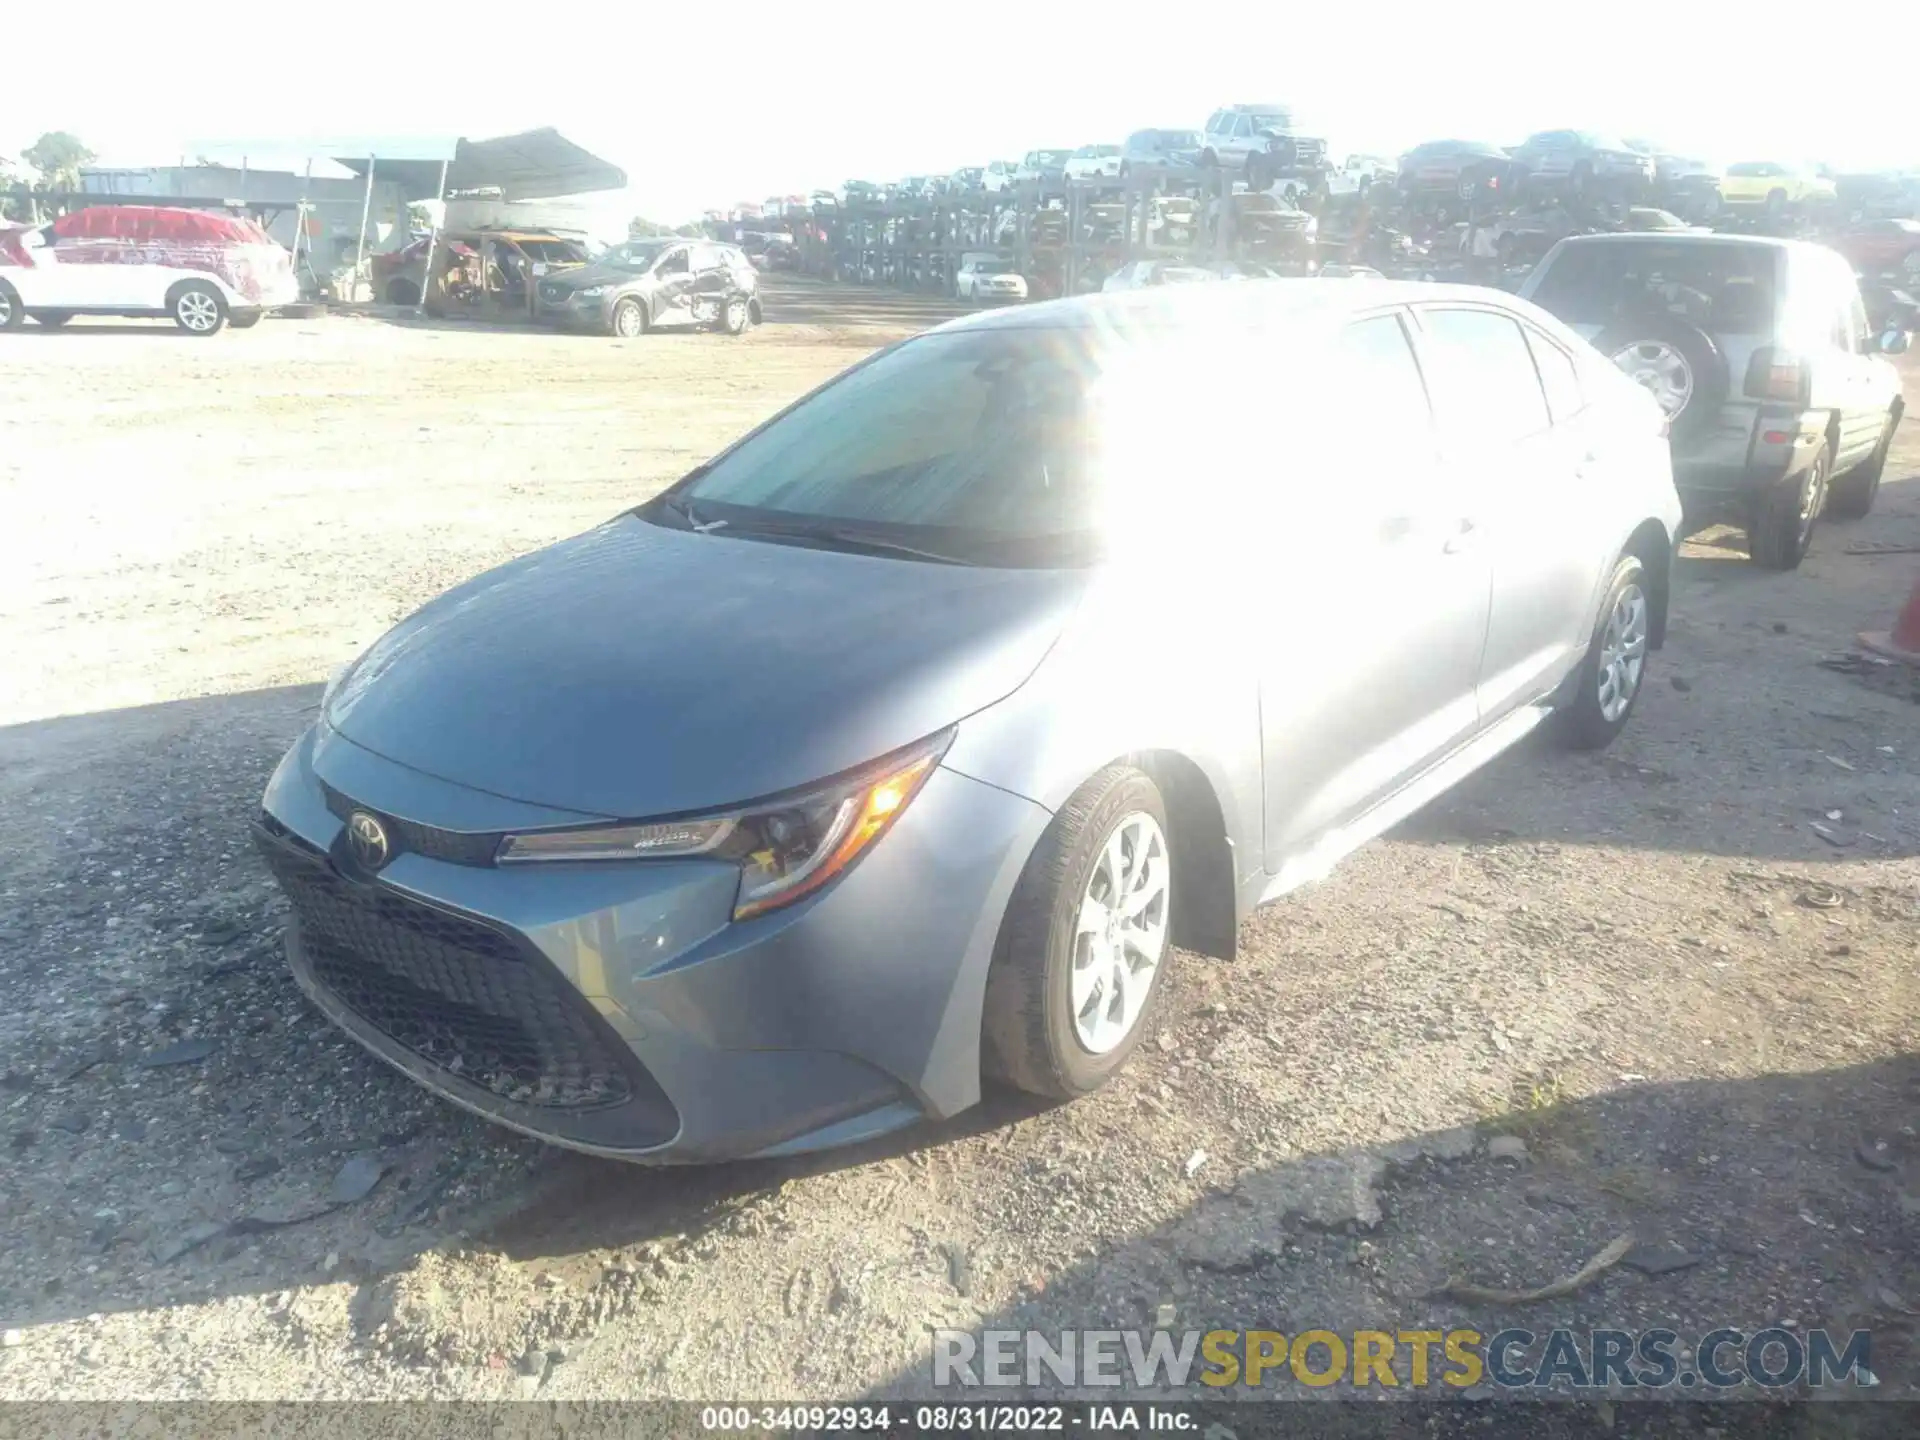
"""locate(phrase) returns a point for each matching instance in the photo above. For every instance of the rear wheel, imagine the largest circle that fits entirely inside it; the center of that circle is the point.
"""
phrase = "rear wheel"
(52, 319)
(198, 309)
(244, 319)
(12, 316)
(1783, 519)
(1076, 971)
(736, 316)
(1853, 493)
(1776, 203)
(1607, 683)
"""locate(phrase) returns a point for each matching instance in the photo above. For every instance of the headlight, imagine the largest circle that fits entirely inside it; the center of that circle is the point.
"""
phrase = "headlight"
(589, 292)
(786, 849)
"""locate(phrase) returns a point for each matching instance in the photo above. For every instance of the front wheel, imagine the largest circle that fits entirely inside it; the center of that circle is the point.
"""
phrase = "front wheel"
(12, 314)
(629, 319)
(1607, 682)
(1076, 971)
(198, 309)
(1853, 493)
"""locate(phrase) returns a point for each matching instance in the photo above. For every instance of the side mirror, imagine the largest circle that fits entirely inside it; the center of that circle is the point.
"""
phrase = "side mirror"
(1894, 342)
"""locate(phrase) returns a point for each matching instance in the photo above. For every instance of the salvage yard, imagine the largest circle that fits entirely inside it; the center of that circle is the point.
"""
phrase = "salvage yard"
(1676, 981)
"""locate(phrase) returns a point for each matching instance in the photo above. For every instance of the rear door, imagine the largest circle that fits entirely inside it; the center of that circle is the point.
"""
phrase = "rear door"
(673, 277)
(1532, 515)
(1821, 324)
(1371, 664)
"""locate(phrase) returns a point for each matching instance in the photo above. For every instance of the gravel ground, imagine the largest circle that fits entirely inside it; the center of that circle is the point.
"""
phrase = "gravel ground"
(1682, 1010)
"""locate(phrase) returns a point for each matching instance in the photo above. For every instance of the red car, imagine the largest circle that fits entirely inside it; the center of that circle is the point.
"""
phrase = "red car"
(1883, 247)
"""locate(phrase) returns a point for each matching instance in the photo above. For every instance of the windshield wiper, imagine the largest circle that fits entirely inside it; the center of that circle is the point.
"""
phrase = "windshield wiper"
(842, 538)
(683, 507)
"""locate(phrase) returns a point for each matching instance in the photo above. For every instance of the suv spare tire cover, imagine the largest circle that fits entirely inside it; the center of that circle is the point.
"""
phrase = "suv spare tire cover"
(1694, 345)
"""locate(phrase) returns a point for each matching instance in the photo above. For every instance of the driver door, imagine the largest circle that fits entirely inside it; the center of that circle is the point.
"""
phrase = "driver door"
(673, 277)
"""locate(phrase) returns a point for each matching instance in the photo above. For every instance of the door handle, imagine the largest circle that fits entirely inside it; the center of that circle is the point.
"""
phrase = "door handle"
(1462, 539)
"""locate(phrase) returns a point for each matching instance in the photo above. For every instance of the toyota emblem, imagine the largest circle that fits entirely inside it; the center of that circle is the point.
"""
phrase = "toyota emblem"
(367, 840)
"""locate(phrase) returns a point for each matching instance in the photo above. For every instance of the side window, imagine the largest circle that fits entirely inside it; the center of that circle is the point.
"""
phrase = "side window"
(1214, 126)
(674, 262)
(1242, 126)
(1559, 377)
(1377, 381)
(1858, 322)
(1487, 390)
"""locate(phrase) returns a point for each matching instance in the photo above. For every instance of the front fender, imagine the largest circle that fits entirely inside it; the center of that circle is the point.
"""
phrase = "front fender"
(1169, 681)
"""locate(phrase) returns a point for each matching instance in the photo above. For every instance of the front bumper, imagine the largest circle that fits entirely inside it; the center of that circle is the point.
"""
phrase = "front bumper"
(573, 311)
(617, 1008)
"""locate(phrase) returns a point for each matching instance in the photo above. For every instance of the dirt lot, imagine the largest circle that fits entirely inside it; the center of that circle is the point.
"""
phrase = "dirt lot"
(1696, 1011)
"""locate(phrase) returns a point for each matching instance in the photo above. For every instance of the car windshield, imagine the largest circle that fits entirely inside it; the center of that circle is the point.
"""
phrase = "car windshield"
(974, 445)
(1272, 120)
(555, 252)
(635, 254)
(1728, 289)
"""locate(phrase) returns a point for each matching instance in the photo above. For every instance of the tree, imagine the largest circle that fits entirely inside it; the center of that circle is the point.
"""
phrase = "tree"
(419, 217)
(640, 228)
(58, 157)
(9, 177)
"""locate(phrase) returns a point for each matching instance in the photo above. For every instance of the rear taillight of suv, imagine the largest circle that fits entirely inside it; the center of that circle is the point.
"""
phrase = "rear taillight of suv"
(1779, 375)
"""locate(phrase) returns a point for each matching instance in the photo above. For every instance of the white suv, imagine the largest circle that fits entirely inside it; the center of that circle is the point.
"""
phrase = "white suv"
(201, 269)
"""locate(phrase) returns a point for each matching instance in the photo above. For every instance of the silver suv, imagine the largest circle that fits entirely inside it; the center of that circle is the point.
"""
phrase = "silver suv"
(1779, 402)
(1261, 140)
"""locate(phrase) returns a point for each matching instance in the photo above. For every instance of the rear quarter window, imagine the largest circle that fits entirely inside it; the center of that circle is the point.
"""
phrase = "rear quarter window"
(1559, 376)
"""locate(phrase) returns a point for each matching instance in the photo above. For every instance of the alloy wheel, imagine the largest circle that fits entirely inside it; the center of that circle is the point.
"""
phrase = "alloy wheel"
(1623, 652)
(1661, 370)
(626, 321)
(1120, 934)
(6, 309)
(198, 311)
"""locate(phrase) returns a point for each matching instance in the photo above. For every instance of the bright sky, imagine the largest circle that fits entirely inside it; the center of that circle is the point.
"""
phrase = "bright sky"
(799, 97)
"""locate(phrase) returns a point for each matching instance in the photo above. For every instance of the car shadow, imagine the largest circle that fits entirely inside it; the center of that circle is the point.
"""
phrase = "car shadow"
(1753, 1201)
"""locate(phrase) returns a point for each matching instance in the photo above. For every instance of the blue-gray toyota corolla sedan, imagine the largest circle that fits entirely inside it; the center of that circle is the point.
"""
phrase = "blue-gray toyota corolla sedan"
(903, 742)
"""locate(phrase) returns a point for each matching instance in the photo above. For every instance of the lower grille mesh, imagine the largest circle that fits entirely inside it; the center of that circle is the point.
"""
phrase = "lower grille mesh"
(451, 990)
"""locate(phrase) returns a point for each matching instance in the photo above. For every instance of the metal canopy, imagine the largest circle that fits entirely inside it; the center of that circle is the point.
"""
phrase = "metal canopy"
(535, 165)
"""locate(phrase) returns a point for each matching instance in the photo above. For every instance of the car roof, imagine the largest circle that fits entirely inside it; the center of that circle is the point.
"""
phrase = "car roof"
(1632, 237)
(1250, 305)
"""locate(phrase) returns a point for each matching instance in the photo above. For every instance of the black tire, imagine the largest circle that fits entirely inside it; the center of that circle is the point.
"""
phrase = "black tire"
(1028, 1036)
(245, 319)
(755, 313)
(1783, 520)
(1580, 179)
(12, 314)
(1705, 362)
(629, 319)
(736, 315)
(52, 319)
(402, 292)
(197, 309)
(1259, 171)
(1776, 204)
(1586, 716)
(1852, 495)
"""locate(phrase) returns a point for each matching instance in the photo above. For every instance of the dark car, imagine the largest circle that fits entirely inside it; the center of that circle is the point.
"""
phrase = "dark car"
(1453, 172)
(1877, 195)
(1884, 247)
(1582, 163)
(1780, 403)
(646, 283)
(1157, 151)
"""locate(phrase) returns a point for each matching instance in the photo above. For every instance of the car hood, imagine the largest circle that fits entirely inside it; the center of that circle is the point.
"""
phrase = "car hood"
(578, 276)
(636, 670)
